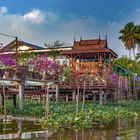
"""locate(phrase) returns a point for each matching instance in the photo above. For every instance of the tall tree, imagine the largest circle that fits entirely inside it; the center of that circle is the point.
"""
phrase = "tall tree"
(130, 36)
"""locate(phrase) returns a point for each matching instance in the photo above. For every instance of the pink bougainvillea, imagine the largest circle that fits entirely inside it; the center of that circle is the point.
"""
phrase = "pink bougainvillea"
(7, 60)
(42, 65)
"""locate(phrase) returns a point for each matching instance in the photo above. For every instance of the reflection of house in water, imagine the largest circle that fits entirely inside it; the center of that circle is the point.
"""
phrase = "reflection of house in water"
(19, 129)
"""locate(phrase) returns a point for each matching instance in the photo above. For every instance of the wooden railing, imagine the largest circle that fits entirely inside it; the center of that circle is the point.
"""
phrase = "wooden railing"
(86, 66)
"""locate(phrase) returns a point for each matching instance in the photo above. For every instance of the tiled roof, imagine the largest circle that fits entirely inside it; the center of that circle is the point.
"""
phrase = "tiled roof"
(90, 44)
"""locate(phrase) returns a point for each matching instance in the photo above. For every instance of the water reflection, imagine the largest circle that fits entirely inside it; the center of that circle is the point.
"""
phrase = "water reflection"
(119, 130)
(11, 129)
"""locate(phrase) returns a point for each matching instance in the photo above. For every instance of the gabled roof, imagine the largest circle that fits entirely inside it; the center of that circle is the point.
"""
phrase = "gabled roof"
(90, 44)
(11, 46)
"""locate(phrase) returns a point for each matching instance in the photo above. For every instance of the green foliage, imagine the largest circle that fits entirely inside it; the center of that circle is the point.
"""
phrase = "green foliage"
(130, 35)
(63, 115)
(66, 74)
(131, 66)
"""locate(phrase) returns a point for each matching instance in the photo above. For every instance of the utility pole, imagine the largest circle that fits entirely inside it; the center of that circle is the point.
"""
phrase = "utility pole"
(20, 81)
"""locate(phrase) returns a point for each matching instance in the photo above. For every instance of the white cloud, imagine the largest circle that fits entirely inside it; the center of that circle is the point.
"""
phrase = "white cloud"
(35, 16)
(112, 23)
(51, 17)
(38, 17)
(3, 10)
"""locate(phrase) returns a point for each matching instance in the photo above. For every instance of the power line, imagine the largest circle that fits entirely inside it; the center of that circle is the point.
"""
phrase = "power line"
(8, 35)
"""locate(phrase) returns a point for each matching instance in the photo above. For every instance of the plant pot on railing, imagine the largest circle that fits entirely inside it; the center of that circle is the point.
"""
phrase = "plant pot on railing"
(8, 73)
(21, 73)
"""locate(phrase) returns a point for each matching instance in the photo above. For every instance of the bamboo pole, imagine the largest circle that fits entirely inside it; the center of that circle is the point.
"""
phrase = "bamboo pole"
(1, 100)
(57, 93)
(21, 95)
(83, 96)
(77, 100)
(101, 97)
(4, 100)
(47, 103)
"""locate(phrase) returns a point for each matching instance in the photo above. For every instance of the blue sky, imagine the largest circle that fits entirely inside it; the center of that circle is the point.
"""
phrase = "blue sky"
(41, 21)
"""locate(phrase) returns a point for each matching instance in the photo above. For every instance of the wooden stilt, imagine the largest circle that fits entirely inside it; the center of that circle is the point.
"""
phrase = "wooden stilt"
(67, 97)
(73, 96)
(21, 95)
(14, 100)
(101, 97)
(83, 95)
(57, 93)
(94, 97)
(47, 103)
(105, 96)
(77, 100)
(1, 100)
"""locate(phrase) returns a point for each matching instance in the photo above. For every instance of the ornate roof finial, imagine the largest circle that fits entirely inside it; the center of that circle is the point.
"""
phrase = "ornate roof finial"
(99, 39)
(74, 39)
(81, 38)
(106, 37)
(106, 41)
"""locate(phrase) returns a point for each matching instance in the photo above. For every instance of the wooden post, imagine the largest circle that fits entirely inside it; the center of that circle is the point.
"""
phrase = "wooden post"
(83, 95)
(73, 95)
(94, 97)
(20, 128)
(14, 100)
(4, 103)
(105, 98)
(21, 95)
(1, 100)
(57, 93)
(67, 97)
(101, 97)
(77, 100)
(47, 103)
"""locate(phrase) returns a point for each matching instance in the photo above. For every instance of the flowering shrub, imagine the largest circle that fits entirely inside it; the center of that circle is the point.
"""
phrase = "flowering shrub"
(44, 66)
(7, 61)
(114, 78)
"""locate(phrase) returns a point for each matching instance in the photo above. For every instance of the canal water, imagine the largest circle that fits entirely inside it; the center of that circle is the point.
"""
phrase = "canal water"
(31, 130)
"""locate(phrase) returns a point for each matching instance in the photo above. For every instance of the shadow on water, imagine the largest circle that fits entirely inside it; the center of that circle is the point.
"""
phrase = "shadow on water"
(120, 130)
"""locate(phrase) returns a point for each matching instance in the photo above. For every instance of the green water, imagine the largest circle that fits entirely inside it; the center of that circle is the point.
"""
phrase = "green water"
(119, 130)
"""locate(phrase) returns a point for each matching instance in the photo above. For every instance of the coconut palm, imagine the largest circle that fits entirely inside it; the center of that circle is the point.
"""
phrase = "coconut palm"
(130, 36)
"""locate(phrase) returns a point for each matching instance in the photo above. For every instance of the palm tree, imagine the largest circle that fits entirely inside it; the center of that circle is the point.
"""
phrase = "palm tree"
(130, 36)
